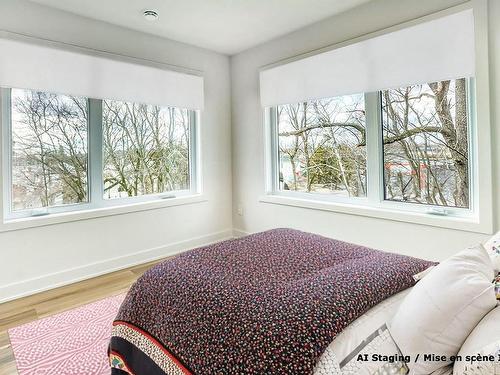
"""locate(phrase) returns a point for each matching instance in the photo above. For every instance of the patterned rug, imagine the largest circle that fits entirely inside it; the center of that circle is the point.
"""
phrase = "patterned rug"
(71, 343)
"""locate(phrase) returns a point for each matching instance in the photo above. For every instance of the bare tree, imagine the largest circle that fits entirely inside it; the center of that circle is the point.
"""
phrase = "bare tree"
(425, 143)
(426, 127)
(50, 147)
(321, 139)
(146, 148)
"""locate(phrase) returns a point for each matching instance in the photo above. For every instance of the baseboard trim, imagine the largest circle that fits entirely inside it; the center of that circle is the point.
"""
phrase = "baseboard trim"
(240, 233)
(54, 280)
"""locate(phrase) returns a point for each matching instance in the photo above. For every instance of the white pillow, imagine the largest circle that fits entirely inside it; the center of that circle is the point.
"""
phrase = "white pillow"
(442, 309)
(484, 340)
(492, 246)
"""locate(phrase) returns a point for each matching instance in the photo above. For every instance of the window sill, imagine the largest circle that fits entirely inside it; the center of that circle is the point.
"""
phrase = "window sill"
(65, 217)
(469, 223)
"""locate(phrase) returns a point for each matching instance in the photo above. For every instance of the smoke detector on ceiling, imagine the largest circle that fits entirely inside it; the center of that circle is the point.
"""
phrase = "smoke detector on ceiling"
(150, 15)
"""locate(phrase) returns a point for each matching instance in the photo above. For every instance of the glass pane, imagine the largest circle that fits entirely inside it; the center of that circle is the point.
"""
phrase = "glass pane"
(146, 149)
(49, 149)
(425, 129)
(322, 146)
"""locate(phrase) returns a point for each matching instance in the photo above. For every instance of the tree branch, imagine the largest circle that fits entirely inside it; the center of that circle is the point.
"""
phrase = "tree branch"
(413, 131)
(409, 133)
(358, 127)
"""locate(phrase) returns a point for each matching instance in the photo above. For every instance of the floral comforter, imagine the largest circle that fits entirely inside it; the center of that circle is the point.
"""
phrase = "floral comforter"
(268, 303)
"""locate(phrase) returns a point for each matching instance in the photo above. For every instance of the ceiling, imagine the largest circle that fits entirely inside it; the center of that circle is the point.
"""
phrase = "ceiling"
(225, 26)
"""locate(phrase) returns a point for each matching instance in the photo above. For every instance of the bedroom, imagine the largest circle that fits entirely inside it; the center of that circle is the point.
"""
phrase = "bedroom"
(133, 132)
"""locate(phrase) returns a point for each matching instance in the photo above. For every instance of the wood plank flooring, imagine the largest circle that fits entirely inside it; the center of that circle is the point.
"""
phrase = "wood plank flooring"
(54, 301)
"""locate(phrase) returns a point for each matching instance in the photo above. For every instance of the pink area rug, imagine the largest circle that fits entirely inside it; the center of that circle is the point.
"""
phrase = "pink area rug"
(71, 343)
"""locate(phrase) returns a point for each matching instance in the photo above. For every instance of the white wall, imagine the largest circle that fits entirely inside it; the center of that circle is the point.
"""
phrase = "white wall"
(248, 139)
(42, 257)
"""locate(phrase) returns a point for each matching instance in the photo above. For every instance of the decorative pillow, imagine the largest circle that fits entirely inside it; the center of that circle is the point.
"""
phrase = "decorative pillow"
(443, 308)
(492, 246)
(484, 341)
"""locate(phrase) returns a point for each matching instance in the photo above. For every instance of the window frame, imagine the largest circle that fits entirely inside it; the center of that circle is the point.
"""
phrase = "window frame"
(95, 185)
(374, 201)
(483, 219)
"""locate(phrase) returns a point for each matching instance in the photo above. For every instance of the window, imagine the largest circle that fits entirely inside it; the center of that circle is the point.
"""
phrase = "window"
(425, 130)
(65, 153)
(49, 150)
(146, 149)
(322, 146)
(406, 148)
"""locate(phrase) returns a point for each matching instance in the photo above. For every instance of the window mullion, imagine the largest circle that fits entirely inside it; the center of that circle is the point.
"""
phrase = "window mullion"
(5, 148)
(194, 184)
(374, 152)
(274, 182)
(96, 149)
(472, 144)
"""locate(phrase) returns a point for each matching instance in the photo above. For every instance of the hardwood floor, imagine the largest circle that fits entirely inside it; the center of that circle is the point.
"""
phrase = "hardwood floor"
(54, 301)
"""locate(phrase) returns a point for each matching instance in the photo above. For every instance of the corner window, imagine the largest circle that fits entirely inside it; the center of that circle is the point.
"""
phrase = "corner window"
(406, 149)
(65, 153)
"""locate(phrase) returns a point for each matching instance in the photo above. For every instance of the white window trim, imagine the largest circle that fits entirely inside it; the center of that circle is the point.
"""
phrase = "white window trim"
(478, 218)
(93, 213)
(97, 205)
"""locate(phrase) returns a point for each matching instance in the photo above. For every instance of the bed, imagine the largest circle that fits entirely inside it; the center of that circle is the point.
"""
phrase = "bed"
(276, 302)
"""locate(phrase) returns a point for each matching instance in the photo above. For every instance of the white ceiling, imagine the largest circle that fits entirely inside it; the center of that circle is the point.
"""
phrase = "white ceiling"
(226, 26)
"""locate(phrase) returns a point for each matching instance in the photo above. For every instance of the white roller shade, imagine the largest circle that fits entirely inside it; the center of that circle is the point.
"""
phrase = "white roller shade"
(430, 51)
(39, 67)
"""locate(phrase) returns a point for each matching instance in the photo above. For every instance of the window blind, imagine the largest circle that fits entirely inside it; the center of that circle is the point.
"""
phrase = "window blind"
(431, 51)
(46, 68)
